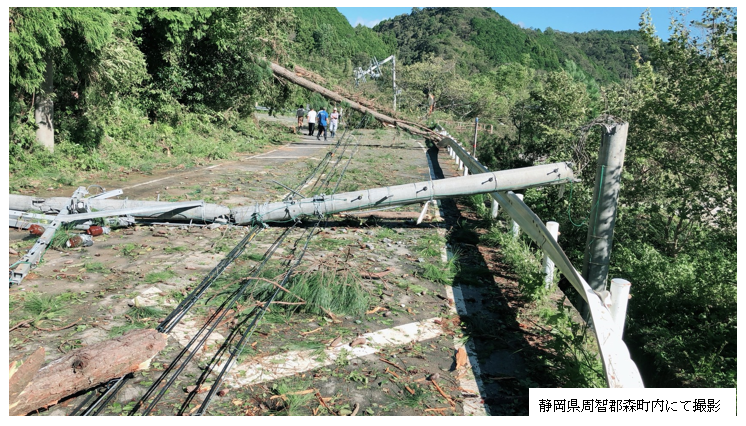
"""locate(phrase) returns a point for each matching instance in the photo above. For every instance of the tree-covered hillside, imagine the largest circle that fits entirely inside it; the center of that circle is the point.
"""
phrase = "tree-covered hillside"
(481, 39)
(324, 39)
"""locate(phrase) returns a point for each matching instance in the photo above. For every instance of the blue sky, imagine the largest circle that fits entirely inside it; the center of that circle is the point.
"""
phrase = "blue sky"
(567, 19)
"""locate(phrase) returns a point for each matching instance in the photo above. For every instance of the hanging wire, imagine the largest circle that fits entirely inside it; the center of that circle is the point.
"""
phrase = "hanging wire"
(598, 199)
(168, 324)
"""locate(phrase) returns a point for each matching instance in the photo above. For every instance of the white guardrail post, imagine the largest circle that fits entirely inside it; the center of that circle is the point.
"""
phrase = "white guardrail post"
(553, 228)
(516, 228)
(620, 370)
(619, 297)
(495, 208)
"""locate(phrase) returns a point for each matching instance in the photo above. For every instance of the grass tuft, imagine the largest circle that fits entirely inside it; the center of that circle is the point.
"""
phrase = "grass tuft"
(157, 277)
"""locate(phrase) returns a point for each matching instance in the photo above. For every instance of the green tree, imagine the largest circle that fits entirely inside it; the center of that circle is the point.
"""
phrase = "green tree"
(684, 136)
(676, 234)
(548, 120)
(209, 59)
(437, 76)
(49, 48)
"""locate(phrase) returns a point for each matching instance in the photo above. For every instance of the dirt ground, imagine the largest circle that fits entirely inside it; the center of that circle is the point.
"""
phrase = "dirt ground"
(299, 362)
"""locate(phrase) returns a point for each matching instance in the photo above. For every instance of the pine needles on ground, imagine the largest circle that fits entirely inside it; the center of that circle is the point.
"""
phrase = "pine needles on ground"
(44, 306)
(324, 290)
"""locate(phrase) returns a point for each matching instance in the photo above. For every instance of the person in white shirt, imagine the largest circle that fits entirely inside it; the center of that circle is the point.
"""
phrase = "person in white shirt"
(311, 121)
(334, 122)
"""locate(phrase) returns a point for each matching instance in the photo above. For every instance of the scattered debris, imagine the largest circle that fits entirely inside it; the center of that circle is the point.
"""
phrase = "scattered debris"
(359, 341)
(461, 358)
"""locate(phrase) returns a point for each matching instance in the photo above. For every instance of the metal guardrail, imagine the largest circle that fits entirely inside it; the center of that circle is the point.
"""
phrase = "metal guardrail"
(485, 127)
(620, 370)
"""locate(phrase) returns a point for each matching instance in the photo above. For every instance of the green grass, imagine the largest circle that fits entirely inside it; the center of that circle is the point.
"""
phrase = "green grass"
(129, 249)
(524, 260)
(256, 256)
(60, 238)
(429, 245)
(442, 273)
(133, 143)
(378, 133)
(386, 233)
(176, 249)
(121, 329)
(291, 402)
(476, 203)
(329, 243)
(573, 355)
(157, 277)
(437, 273)
(343, 358)
(142, 312)
(96, 267)
(414, 288)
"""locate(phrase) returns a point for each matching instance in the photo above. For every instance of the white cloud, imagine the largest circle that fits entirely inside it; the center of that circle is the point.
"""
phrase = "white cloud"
(369, 24)
(521, 24)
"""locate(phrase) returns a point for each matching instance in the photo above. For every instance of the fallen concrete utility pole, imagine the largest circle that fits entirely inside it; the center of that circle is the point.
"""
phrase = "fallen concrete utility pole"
(300, 81)
(22, 220)
(81, 209)
(389, 196)
(187, 210)
(319, 205)
(82, 369)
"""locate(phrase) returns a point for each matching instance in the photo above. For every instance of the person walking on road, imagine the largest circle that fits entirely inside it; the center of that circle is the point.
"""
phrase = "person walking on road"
(334, 122)
(311, 121)
(300, 113)
(321, 121)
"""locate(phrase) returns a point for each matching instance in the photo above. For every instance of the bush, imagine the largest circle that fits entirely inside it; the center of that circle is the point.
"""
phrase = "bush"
(683, 312)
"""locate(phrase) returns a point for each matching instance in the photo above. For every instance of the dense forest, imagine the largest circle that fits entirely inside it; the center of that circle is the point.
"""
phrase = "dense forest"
(138, 88)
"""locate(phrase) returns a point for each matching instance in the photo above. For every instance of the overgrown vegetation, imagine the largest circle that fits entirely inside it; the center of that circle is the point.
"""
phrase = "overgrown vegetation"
(573, 355)
(675, 235)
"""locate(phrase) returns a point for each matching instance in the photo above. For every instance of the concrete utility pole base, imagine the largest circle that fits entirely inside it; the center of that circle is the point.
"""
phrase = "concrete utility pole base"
(603, 214)
(605, 198)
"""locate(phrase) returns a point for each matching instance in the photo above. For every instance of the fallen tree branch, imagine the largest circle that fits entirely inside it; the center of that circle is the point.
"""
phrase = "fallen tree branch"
(25, 323)
(278, 286)
(57, 328)
(448, 398)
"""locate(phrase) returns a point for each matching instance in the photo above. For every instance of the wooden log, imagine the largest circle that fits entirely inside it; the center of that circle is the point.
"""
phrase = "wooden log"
(23, 371)
(88, 367)
(300, 81)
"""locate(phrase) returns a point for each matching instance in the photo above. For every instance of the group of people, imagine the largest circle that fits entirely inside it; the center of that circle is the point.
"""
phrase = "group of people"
(321, 119)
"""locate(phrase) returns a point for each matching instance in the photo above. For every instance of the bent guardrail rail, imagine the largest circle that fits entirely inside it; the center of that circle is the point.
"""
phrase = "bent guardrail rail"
(619, 368)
